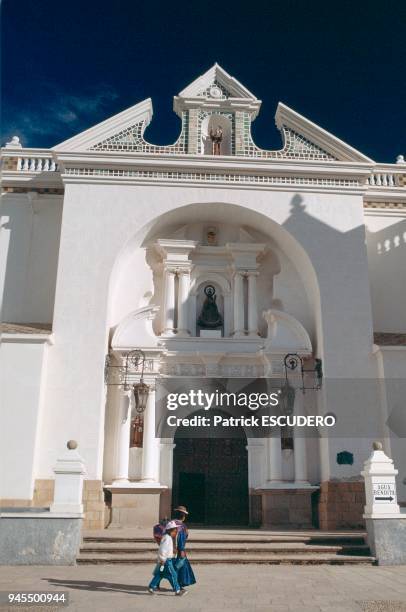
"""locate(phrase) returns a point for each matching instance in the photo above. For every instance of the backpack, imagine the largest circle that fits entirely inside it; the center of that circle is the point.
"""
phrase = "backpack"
(158, 530)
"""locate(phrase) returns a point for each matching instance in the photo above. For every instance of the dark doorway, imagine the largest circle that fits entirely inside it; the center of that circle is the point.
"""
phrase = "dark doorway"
(210, 477)
(192, 491)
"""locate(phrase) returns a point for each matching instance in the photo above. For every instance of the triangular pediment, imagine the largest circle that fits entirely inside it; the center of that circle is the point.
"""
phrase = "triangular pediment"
(304, 137)
(116, 132)
(216, 77)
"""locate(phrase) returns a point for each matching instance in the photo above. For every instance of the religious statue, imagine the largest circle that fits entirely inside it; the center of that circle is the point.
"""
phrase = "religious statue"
(211, 236)
(216, 137)
(210, 318)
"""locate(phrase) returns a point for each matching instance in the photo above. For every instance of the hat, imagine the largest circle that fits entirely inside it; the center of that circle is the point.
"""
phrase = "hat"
(171, 525)
(181, 509)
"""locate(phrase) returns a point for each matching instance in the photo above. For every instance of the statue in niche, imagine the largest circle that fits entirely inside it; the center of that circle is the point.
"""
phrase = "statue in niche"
(216, 136)
(210, 318)
(211, 236)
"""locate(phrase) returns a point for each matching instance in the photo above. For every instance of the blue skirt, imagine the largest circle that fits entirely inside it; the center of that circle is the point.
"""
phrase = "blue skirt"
(185, 573)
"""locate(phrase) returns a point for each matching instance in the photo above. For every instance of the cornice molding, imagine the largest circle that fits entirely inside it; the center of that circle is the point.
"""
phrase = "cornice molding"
(135, 114)
(217, 73)
(97, 159)
(286, 117)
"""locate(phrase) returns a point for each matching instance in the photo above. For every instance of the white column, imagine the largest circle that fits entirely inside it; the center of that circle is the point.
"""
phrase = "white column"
(150, 448)
(252, 304)
(238, 304)
(123, 439)
(183, 297)
(299, 444)
(169, 303)
(167, 447)
(275, 458)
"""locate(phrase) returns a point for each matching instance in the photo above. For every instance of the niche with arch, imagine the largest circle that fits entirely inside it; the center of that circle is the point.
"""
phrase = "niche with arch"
(211, 122)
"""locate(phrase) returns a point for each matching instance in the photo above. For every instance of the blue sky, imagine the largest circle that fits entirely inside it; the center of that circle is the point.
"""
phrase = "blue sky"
(68, 65)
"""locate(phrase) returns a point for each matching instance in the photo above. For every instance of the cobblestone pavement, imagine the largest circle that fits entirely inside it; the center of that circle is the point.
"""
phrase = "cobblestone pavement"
(256, 588)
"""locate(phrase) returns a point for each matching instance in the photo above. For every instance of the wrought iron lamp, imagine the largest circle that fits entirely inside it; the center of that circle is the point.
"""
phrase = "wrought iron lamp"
(134, 361)
(141, 392)
(293, 361)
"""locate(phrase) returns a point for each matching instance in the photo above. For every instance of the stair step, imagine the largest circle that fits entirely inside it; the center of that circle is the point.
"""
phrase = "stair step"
(213, 546)
(234, 548)
(332, 540)
(270, 559)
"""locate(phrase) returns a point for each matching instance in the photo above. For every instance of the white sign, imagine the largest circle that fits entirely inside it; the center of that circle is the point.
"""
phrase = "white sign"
(384, 492)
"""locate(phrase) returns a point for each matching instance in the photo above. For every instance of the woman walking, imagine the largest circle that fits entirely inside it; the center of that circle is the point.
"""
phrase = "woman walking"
(164, 567)
(184, 570)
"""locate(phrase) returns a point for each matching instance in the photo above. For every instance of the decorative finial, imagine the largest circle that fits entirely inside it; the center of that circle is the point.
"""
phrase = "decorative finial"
(72, 444)
(14, 143)
(377, 445)
(400, 159)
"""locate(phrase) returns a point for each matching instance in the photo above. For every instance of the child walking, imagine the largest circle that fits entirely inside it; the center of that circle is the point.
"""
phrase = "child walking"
(164, 567)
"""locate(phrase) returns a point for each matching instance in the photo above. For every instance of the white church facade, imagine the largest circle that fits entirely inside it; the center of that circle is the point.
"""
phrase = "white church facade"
(108, 245)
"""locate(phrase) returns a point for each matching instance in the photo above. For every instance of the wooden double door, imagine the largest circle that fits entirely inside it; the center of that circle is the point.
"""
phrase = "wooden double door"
(210, 478)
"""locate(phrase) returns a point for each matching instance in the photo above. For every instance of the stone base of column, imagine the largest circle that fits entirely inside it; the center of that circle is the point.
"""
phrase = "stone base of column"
(135, 505)
(120, 481)
(239, 334)
(341, 505)
(183, 333)
(287, 508)
(168, 333)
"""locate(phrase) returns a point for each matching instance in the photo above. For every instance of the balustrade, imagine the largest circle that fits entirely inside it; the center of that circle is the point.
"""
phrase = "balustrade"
(36, 164)
(383, 179)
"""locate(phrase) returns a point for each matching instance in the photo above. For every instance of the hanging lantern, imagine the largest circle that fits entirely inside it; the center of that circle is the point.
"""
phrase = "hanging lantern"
(141, 392)
(287, 399)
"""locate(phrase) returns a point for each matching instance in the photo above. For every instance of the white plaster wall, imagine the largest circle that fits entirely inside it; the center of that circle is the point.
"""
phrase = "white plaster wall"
(321, 232)
(29, 245)
(394, 368)
(22, 382)
(360, 447)
(386, 241)
(132, 285)
(289, 295)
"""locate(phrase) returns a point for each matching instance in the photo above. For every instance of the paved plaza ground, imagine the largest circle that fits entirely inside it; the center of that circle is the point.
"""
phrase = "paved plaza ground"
(256, 588)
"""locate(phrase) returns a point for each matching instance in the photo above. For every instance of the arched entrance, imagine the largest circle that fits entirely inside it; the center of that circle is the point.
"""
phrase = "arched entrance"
(210, 477)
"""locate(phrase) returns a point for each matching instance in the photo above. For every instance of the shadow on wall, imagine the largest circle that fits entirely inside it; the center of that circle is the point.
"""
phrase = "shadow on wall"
(29, 238)
(387, 257)
(386, 260)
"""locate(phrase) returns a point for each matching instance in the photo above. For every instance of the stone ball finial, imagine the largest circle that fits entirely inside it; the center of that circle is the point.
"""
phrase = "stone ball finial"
(377, 445)
(72, 444)
(400, 159)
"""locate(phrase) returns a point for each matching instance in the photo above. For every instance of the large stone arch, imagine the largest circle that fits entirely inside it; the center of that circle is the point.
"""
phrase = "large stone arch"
(219, 212)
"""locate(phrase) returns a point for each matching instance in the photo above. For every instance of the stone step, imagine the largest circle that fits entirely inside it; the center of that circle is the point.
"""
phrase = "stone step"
(231, 548)
(301, 547)
(263, 558)
(356, 539)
